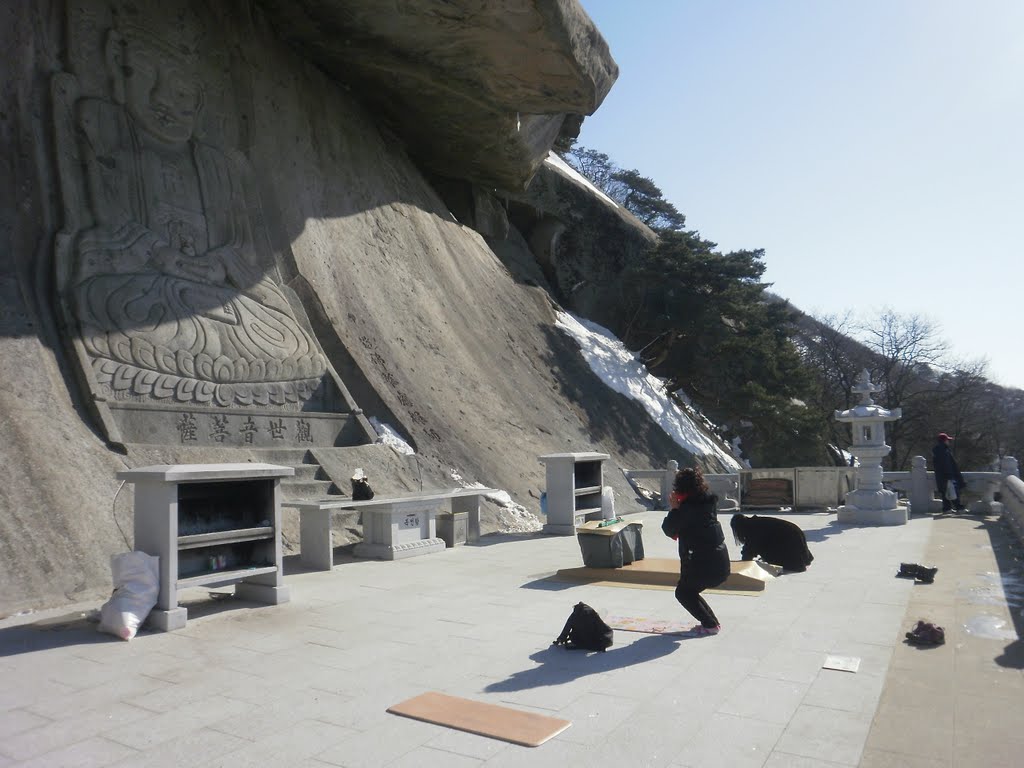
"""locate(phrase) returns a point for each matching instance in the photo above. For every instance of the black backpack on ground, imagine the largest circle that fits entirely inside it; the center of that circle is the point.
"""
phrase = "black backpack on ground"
(585, 631)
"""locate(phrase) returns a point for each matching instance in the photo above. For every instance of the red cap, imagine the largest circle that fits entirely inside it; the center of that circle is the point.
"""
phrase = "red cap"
(944, 437)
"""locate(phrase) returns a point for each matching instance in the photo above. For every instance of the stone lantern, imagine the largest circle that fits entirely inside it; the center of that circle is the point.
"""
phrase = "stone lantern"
(870, 503)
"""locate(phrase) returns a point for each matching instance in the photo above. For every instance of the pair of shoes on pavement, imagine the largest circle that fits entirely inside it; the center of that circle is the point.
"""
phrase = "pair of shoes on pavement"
(926, 633)
(701, 631)
(919, 573)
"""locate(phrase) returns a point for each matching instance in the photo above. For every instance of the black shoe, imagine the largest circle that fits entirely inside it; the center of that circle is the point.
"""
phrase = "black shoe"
(926, 633)
(908, 570)
(917, 572)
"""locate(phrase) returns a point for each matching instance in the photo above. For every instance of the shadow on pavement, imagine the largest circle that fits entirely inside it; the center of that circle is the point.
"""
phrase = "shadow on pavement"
(559, 665)
(82, 627)
(1009, 555)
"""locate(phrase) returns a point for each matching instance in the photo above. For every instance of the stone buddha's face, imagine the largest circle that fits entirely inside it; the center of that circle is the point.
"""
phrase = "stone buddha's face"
(162, 92)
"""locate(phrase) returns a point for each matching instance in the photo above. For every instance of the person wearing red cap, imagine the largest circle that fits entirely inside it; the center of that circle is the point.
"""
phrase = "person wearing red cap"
(947, 472)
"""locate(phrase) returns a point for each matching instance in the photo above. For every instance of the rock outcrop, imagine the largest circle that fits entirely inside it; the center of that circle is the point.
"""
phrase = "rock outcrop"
(581, 238)
(476, 90)
(124, 287)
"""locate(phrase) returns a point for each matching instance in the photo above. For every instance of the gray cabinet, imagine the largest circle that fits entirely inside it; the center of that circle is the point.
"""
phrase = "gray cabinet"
(210, 525)
(574, 485)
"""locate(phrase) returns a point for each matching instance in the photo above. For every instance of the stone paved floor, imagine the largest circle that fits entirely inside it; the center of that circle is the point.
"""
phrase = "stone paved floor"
(959, 704)
(307, 683)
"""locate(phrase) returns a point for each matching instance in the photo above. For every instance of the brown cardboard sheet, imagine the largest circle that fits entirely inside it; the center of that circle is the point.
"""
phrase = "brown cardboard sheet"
(746, 577)
(493, 720)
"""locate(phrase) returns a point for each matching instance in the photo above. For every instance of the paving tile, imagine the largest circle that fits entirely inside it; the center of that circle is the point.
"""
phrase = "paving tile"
(792, 665)
(984, 748)
(874, 659)
(276, 714)
(999, 718)
(737, 742)
(95, 752)
(783, 760)
(761, 698)
(925, 728)
(845, 691)
(593, 715)
(23, 691)
(826, 734)
(16, 721)
(652, 736)
(385, 743)
(919, 691)
(74, 728)
(877, 758)
(468, 744)
(291, 746)
(175, 724)
(200, 744)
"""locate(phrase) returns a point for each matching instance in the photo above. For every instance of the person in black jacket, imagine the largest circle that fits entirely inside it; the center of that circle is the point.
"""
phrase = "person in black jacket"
(946, 471)
(772, 539)
(703, 555)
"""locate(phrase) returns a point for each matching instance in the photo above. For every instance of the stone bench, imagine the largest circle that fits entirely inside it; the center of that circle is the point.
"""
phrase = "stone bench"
(394, 527)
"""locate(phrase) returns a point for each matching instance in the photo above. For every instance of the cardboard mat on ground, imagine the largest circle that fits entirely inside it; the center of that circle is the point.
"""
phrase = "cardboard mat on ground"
(746, 577)
(493, 720)
(648, 625)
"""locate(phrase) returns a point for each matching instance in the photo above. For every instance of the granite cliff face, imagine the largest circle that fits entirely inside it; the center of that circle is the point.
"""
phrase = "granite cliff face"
(476, 89)
(216, 249)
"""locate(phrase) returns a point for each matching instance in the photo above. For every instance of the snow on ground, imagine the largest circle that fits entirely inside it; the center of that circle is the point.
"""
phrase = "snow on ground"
(515, 517)
(387, 435)
(554, 160)
(622, 371)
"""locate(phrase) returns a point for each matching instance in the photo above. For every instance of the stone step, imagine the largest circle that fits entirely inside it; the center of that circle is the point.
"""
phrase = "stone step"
(308, 472)
(291, 457)
(311, 480)
(293, 489)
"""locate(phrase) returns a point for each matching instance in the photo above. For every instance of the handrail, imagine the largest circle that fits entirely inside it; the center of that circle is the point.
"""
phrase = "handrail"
(817, 487)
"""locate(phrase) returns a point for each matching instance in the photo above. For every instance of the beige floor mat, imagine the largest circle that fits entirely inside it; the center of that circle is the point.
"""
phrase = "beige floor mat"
(493, 720)
(746, 578)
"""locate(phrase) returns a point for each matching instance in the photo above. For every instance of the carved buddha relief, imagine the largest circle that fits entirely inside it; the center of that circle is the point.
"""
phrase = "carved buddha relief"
(171, 279)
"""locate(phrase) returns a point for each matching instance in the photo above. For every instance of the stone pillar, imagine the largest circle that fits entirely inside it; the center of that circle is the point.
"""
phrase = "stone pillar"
(987, 504)
(666, 483)
(922, 499)
(1009, 466)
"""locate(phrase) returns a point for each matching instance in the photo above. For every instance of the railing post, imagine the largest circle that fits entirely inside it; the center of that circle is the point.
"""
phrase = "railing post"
(667, 481)
(1009, 466)
(921, 495)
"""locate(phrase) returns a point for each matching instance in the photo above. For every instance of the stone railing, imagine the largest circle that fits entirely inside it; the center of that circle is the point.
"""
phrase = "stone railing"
(1013, 504)
(918, 485)
(826, 487)
(726, 486)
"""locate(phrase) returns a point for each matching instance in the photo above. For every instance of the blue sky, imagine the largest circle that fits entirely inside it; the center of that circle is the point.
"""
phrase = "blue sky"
(874, 149)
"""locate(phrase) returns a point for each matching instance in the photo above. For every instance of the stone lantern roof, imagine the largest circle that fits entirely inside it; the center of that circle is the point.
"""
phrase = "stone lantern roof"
(866, 409)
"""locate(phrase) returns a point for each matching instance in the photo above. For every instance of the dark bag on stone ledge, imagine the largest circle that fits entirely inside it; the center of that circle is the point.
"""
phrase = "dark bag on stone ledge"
(361, 490)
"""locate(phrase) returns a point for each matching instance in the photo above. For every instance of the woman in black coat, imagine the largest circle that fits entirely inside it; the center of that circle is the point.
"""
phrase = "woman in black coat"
(774, 540)
(703, 556)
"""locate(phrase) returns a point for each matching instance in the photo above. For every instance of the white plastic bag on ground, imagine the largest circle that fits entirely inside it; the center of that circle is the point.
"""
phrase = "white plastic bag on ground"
(136, 587)
(607, 503)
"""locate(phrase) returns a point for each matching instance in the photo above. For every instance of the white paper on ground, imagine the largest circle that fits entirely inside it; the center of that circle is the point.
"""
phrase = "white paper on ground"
(842, 663)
